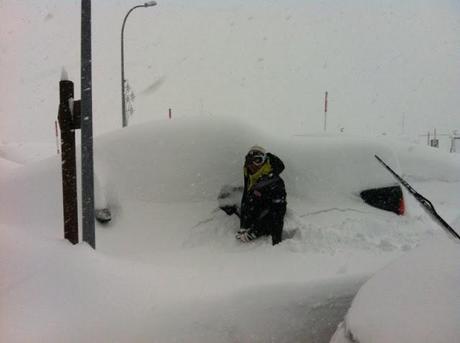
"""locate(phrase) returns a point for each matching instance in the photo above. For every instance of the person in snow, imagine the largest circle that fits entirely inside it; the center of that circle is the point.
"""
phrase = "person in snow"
(263, 204)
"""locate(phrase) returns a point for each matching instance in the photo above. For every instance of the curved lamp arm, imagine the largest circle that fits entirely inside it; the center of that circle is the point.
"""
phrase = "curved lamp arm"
(123, 106)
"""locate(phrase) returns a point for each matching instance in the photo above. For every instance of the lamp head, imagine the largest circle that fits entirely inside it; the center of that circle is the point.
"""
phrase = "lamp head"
(150, 3)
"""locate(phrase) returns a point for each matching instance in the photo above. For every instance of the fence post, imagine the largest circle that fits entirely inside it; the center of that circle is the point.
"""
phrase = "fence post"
(68, 158)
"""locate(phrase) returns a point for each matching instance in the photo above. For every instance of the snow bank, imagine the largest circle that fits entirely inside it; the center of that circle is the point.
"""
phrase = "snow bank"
(168, 267)
(191, 159)
(413, 300)
(51, 291)
(174, 163)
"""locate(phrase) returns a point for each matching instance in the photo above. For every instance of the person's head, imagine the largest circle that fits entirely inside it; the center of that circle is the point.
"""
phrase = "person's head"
(255, 159)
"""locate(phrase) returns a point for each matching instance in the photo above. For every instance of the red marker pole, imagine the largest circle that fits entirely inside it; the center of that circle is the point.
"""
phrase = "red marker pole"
(325, 111)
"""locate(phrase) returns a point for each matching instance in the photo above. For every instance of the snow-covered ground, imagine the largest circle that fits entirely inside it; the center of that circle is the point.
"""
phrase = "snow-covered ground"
(168, 268)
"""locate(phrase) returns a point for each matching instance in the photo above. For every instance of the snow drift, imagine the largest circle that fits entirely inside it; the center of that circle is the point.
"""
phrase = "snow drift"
(190, 160)
(413, 300)
(168, 267)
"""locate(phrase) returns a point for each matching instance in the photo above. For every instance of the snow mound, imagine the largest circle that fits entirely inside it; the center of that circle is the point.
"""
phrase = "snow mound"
(413, 300)
(166, 173)
(168, 267)
(190, 160)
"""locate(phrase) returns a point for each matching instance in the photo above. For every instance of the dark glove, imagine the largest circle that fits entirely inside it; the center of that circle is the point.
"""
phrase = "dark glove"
(229, 209)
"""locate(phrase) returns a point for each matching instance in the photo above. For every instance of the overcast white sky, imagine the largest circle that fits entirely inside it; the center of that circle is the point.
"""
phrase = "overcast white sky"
(389, 66)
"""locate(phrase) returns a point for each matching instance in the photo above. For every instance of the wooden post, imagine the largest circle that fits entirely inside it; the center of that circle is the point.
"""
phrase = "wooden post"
(69, 169)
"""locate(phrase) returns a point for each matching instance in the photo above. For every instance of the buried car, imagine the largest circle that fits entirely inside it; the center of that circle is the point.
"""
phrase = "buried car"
(415, 299)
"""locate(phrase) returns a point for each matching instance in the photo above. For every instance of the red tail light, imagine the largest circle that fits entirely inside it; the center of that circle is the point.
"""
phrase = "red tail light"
(402, 207)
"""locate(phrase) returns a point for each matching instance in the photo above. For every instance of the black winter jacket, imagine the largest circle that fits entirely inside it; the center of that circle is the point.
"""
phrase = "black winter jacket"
(264, 205)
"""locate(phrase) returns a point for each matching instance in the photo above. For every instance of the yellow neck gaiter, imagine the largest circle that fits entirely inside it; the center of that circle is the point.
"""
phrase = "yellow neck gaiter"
(253, 178)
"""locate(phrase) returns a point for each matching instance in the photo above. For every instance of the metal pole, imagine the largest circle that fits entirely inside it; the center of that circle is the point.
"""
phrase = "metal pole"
(123, 81)
(87, 169)
(123, 102)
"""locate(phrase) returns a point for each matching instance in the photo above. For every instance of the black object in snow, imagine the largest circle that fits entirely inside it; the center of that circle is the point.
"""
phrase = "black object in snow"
(385, 198)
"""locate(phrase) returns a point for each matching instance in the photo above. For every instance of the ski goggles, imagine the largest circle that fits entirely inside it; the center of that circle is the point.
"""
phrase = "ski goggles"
(256, 158)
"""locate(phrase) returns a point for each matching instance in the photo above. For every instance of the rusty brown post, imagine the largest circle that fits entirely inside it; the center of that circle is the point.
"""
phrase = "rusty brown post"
(69, 169)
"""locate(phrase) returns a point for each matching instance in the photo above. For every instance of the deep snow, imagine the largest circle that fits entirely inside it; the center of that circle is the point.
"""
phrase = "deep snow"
(168, 268)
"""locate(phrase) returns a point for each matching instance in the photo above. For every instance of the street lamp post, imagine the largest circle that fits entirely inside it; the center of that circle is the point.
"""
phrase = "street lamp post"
(123, 105)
